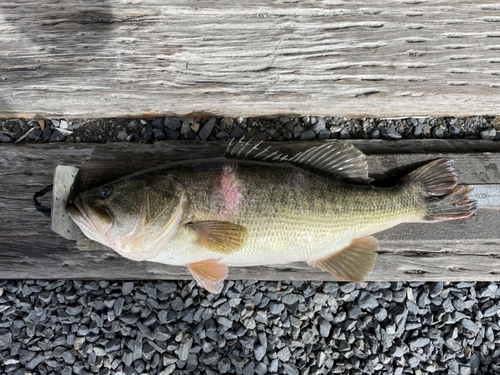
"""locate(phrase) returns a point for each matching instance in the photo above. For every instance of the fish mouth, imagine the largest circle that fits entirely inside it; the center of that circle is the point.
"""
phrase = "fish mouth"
(80, 215)
(76, 211)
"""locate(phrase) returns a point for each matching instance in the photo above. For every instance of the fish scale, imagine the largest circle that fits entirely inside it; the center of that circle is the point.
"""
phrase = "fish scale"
(292, 222)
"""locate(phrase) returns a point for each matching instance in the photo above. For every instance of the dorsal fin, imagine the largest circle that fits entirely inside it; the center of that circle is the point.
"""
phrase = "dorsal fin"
(336, 159)
(253, 150)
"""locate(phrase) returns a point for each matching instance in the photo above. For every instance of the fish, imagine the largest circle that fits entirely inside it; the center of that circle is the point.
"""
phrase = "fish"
(257, 206)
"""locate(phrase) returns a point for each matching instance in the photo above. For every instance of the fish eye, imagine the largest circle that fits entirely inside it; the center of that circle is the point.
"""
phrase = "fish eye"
(106, 191)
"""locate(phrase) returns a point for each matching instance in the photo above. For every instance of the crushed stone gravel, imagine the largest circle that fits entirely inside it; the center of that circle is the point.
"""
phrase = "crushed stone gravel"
(278, 129)
(145, 327)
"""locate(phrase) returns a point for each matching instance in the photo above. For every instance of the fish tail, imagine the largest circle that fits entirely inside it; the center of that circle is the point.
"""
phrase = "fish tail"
(444, 199)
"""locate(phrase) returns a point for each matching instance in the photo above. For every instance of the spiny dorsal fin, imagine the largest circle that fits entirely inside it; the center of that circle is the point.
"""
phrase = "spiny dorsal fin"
(352, 263)
(336, 159)
(219, 236)
(254, 150)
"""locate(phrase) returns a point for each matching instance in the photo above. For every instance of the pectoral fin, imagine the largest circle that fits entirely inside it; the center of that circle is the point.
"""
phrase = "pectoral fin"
(352, 263)
(209, 274)
(219, 236)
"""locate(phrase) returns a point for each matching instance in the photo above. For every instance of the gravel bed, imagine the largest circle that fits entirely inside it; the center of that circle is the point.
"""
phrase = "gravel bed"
(167, 327)
(279, 129)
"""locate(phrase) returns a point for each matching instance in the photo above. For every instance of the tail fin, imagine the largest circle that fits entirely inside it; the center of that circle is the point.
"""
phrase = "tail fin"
(445, 200)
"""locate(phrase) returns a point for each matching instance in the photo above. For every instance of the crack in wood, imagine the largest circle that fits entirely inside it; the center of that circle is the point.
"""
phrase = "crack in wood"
(415, 272)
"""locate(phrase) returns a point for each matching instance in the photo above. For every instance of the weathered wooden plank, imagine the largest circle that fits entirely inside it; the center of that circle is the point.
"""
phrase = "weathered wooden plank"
(28, 249)
(381, 58)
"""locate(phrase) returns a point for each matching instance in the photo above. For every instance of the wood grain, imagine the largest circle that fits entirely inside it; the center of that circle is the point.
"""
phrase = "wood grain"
(465, 250)
(116, 58)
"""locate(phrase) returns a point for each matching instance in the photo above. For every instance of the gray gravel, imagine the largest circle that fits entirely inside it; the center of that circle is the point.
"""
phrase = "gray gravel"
(279, 129)
(265, 327)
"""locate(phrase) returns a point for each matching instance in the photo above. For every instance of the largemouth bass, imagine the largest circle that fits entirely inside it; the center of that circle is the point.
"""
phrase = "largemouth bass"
(257, 207)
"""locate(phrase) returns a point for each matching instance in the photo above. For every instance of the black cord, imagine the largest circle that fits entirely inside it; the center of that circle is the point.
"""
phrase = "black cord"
(44, 210)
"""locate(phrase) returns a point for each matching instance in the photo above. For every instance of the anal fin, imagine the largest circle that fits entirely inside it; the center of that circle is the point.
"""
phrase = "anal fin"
(352, 263)
(210, 274)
